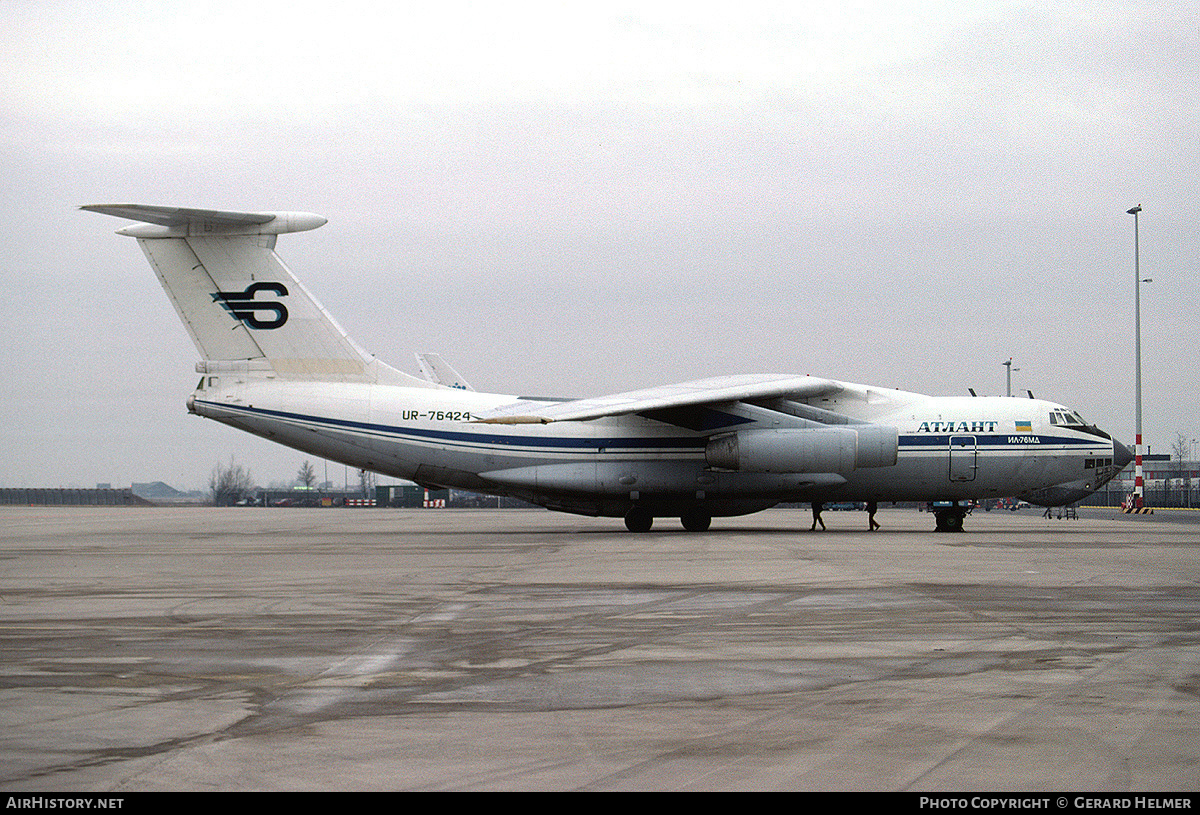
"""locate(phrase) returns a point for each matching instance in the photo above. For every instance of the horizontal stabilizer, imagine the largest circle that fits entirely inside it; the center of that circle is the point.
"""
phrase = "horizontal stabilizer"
(181, 222)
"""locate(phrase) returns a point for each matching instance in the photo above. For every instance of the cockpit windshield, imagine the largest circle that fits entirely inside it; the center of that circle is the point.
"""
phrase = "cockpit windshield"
(1067, 417)
(1061, 417)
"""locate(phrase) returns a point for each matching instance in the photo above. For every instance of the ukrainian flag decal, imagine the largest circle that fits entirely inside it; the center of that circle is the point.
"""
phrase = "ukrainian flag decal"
(1024, 427)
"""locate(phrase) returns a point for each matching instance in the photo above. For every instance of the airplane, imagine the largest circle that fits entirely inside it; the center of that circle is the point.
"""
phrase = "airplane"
(276, 364)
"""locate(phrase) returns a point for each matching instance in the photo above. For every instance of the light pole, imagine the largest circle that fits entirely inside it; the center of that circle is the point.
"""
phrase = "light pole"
(1138, 482)
(1008, 374)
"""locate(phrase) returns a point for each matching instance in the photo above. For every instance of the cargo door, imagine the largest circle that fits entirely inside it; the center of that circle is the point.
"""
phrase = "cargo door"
(964, 458)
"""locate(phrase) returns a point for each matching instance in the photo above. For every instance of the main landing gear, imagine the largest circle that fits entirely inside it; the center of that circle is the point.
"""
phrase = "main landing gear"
(696, 520)
(639, 519)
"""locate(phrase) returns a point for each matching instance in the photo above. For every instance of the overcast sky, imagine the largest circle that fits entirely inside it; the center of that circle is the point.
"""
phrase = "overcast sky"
(581, 198)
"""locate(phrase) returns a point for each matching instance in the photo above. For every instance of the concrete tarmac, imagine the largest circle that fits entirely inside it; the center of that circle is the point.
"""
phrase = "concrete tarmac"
(363, 649)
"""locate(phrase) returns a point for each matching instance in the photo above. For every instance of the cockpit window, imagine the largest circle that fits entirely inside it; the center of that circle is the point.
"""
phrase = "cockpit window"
(1066, 417)
(1069, 418)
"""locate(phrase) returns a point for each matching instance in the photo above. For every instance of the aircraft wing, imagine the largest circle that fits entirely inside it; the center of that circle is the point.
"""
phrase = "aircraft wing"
(716, 390)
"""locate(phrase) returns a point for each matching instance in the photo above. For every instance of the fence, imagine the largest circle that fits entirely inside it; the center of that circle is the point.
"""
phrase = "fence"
(69, 496)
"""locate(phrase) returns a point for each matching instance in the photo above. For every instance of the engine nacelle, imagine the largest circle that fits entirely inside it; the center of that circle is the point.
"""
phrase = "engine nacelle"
(817, 450)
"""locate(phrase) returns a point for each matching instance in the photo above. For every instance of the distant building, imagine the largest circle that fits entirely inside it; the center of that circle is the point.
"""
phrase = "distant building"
(1168, 483)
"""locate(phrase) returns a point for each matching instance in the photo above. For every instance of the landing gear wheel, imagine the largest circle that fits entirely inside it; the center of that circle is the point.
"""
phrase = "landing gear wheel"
(638, 520)
(696, 520)
(949, 521)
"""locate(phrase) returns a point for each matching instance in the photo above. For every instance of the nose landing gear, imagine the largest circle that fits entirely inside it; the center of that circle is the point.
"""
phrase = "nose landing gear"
(949, 515)
(949, 521)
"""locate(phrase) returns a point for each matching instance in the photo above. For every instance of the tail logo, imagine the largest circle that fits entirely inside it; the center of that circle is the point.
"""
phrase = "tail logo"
(244, 306)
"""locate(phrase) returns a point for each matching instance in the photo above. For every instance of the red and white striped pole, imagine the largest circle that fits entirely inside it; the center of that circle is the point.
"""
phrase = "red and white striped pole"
(1138, 483)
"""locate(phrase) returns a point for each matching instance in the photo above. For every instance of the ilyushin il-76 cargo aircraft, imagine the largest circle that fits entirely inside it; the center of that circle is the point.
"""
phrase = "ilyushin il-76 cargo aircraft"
(276, 364)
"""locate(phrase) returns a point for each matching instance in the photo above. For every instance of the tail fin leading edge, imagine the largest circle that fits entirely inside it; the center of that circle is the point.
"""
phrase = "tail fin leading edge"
(237, 298)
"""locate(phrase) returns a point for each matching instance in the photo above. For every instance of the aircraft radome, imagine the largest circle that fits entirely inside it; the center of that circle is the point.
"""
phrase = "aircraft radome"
(274, 363)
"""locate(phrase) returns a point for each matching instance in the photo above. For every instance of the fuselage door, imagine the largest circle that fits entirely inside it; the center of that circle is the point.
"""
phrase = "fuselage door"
(964, 458)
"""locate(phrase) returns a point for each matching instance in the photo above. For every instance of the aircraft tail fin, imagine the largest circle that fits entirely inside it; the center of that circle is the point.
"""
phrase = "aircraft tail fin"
(239, 301)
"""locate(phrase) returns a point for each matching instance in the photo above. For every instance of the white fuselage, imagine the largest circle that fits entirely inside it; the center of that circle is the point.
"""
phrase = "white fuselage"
(948, 448)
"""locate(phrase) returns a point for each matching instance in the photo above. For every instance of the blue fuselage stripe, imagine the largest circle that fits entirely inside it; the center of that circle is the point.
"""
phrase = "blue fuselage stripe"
(455, 436)
(1004, 441)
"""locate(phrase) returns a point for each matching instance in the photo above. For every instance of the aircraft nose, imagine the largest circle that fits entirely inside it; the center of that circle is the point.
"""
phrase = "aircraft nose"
(1122, 455)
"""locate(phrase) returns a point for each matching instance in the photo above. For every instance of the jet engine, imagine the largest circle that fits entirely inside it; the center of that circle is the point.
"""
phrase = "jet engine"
(816, 450)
